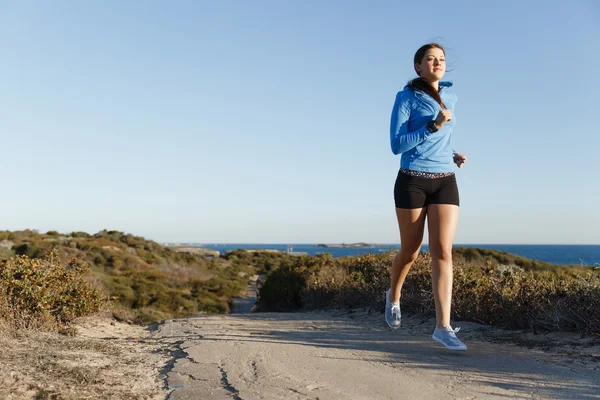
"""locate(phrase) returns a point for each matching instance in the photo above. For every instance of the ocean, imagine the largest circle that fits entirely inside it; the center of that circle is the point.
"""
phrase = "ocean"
(556, 254)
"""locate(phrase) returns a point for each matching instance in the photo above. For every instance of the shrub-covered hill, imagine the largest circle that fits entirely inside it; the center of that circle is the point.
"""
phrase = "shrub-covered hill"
(532, 296)
(477, 256)
(145, 281)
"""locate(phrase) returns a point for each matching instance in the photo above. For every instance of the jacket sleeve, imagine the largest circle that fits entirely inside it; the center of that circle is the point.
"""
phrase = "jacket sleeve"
(401, 140)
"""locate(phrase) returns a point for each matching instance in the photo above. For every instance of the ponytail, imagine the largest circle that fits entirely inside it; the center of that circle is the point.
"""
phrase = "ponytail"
(422, 85)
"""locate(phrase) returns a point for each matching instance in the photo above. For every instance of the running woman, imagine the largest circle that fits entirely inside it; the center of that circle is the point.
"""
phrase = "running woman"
(421, 130)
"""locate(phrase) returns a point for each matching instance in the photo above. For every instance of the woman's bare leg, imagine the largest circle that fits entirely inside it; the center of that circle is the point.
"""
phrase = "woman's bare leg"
(442, 221)
(411, 222)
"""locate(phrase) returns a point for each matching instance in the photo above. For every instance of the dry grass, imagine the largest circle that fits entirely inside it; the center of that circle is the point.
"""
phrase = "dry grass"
(101, 362)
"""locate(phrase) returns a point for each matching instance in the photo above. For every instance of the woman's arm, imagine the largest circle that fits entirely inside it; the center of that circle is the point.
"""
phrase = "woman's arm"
(401, 140)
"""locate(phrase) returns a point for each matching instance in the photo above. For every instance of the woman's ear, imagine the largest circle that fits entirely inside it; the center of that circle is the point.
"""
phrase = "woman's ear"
(418, 69)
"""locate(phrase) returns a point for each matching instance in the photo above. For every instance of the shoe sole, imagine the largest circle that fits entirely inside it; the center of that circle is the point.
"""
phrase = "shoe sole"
(391, 326)
(449, 347)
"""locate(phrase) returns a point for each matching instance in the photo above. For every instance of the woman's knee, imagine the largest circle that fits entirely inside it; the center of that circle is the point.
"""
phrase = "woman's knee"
(408, 255)
(440, 251)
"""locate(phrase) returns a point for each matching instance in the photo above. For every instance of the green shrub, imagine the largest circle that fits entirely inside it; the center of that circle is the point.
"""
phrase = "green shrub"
(45, 292)
(262, 261)
(84, 235)
(31, 250)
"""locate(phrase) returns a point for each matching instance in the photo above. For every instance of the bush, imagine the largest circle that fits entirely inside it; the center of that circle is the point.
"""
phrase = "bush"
(45, 293)
(262, 261)
(296, 281)
(31, 250)
(565, 299)
(513, 297)
(80, 235)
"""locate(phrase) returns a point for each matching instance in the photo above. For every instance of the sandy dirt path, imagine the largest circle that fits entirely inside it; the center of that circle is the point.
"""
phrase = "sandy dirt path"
(336, 355)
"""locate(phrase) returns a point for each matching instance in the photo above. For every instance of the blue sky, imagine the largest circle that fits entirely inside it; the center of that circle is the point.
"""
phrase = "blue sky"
(268, 121)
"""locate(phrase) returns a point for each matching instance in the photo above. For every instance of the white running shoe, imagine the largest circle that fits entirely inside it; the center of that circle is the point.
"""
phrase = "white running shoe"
(392, 312)
(447, 337)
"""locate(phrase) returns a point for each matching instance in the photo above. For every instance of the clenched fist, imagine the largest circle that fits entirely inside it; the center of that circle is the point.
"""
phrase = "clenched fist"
(443, 117)
(459, 159)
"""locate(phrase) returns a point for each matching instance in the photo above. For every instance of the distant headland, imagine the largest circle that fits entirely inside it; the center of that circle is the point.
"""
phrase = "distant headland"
(348, 245)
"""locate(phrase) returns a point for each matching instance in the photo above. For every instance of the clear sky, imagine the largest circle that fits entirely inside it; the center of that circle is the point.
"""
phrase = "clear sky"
(268, 121)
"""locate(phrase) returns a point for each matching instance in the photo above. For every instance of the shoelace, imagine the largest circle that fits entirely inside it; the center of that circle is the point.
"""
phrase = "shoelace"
(396, 311)
(451, 331)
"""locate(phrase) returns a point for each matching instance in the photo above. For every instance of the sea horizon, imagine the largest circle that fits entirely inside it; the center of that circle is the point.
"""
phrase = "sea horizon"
(559, 254)
(375, 243)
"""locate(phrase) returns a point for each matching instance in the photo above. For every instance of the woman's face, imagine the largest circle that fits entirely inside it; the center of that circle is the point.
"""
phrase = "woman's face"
(433, 65)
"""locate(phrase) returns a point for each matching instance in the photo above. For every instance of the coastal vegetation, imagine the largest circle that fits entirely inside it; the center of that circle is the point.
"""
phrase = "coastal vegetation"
(490, 287)
(58, 277)
(48, 279)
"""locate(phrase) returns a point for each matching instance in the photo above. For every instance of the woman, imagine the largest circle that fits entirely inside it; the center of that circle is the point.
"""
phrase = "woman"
(421, 129)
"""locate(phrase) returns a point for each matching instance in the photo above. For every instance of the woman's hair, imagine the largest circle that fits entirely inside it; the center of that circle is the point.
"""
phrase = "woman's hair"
(421, 84)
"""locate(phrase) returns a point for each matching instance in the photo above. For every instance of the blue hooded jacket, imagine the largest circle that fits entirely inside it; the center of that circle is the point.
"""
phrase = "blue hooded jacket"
(421, 149)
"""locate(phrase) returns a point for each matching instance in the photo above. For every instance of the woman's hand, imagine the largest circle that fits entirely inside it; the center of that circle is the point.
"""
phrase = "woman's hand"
(459, 159)
(443, 117)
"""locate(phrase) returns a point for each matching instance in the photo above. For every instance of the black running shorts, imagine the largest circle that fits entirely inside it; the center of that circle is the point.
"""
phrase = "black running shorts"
(417, 192)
